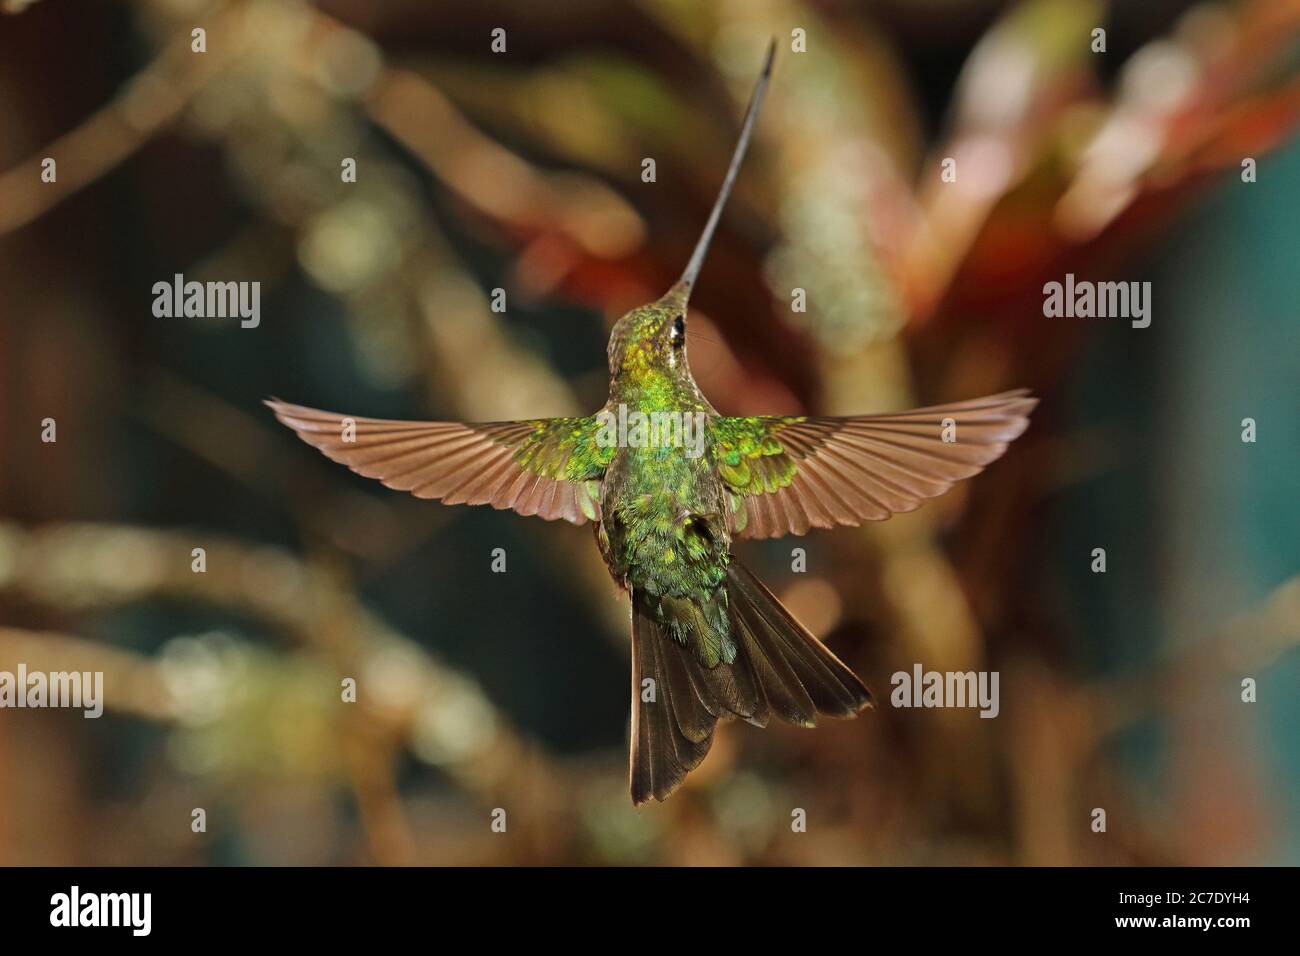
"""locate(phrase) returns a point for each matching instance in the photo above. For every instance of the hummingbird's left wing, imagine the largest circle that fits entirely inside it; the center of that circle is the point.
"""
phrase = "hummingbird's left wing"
(549, 467)
(789, 474)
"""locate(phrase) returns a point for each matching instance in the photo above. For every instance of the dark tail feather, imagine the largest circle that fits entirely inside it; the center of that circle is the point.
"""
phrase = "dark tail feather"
(798, 674)
(779, 668)
(672, 729)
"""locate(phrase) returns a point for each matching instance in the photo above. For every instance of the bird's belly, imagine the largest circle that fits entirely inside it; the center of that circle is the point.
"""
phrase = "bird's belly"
(663, 522)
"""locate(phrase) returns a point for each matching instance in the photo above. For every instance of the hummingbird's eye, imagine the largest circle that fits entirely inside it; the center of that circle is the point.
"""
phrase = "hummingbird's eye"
(677, 336)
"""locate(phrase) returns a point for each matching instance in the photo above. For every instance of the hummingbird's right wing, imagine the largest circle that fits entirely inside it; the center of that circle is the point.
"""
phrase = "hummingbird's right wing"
(789, 474)
(548, 467)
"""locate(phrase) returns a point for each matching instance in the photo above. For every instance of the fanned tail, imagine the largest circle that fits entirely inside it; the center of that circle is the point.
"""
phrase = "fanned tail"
(780, 668)
(672, 729)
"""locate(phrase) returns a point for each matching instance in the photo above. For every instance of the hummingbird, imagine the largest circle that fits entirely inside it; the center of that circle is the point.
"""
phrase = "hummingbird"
(710, 641)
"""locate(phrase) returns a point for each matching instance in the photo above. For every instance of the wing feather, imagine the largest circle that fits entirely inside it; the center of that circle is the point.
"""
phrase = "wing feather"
(793, 474)
(534, 467)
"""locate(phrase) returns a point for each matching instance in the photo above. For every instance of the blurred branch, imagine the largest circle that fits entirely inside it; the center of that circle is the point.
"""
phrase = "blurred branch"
(133, 684)
(149, 102)
(554, 208)
(138, 686)
(405, 693)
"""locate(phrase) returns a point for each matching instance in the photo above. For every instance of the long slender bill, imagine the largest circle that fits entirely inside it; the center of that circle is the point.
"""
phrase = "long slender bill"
(683, 287)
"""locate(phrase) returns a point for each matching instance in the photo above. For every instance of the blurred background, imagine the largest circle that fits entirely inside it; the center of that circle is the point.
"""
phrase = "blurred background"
(522, 171)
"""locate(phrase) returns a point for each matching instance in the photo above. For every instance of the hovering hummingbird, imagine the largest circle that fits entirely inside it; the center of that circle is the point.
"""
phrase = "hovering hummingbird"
(709, 640)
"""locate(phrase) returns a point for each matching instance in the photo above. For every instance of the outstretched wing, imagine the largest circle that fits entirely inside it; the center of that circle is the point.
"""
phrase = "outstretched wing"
(787, 475)
(549, 467)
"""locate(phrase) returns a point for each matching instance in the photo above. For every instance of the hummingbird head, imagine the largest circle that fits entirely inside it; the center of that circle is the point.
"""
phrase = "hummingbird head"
(653, 337)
